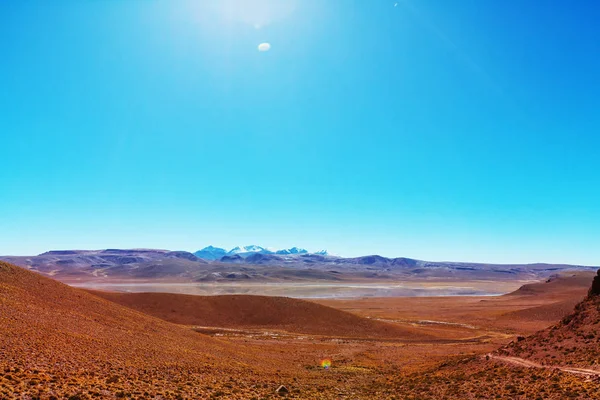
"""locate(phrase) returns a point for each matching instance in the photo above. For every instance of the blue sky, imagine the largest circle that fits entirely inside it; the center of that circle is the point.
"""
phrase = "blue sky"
(434, 129)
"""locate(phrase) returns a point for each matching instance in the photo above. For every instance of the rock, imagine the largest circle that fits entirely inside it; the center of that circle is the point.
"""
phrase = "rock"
(520, 338)
(595, 289)
(282, 390)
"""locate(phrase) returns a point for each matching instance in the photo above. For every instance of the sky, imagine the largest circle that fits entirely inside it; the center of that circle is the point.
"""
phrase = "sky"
(459, 130)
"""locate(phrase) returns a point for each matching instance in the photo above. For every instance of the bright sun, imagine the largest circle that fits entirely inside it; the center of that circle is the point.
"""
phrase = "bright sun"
(257, 13)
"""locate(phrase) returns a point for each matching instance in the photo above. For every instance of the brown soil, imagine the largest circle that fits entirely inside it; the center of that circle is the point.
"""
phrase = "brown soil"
(58, 342)
(531, 308)
(573, 342)
(61, 342)
(470, 378)
(564, 283)
(260, 312)
(56, 338)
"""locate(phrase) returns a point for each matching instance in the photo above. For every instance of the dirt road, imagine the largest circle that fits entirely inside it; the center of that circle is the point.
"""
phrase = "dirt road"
(530, 364)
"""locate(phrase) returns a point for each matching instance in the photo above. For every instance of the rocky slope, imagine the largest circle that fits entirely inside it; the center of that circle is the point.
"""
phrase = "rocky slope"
(575, 341)
(561, 362)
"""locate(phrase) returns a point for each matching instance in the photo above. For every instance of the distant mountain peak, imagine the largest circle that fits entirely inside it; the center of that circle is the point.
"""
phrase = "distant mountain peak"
(215, 253)
(248, 249)
(209, 248)
(210, 253)
(293, 250)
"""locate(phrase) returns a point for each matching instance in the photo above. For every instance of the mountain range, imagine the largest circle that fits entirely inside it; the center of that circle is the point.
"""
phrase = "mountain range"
(255, 263)
(212, 253)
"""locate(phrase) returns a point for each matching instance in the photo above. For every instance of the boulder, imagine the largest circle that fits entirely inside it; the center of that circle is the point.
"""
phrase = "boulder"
(282, 390)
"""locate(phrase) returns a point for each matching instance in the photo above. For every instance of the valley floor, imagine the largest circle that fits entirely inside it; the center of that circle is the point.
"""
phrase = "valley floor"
(308, 290)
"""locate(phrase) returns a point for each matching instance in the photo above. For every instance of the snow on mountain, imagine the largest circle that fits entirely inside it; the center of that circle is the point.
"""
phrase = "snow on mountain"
(249, 249)
(293, 250)
(216, 253)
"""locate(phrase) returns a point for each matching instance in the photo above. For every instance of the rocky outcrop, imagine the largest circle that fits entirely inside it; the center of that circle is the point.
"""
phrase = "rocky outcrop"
(595, 289)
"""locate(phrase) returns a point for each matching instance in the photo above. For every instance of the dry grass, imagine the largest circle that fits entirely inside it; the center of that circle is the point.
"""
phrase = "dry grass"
(61, 342)
(574, 342)
(259, 312)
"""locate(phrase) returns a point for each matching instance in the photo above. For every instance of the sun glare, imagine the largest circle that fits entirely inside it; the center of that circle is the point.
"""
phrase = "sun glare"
(256, 13)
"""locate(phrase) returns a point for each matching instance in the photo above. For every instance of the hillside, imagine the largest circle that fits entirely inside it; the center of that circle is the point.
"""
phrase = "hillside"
(561, 362)
(575, 341)
(59, 341)
(551, 300)
(264, 312)
(566, 283)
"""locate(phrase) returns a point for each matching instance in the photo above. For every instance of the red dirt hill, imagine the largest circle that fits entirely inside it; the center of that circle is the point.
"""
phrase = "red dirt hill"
(575, 341)
(544, 367)
(262, 312)
(556, 298)
(57, 341)
(567, 283)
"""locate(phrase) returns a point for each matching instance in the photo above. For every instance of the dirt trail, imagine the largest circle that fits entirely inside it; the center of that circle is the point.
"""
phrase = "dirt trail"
(530, 364)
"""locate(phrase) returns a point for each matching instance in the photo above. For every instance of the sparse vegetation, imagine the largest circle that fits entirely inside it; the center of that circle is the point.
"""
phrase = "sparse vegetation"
(61, 342)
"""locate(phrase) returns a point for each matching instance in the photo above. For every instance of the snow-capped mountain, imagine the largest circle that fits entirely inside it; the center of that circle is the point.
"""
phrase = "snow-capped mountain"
(249, 249)
(293, 250)
(212, 253)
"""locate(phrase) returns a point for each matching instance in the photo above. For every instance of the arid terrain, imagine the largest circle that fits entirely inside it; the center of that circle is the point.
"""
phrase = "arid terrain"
(63, 342)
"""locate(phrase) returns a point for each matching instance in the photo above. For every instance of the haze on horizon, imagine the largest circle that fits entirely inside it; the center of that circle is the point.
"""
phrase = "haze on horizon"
(436, 130)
